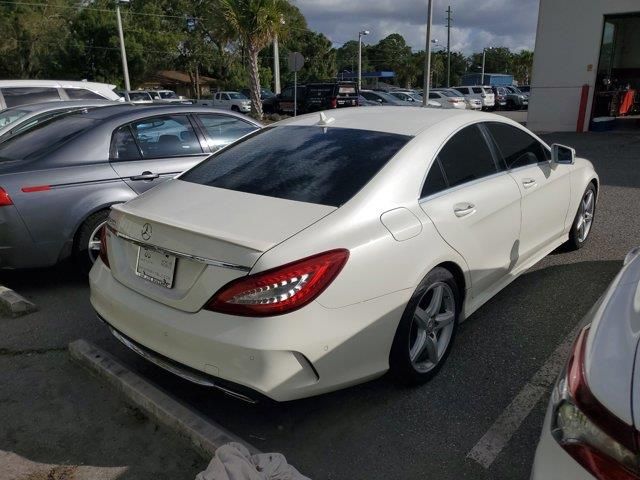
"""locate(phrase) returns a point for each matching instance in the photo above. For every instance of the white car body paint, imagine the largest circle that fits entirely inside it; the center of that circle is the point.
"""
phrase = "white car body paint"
(394, 238)
(611, 365)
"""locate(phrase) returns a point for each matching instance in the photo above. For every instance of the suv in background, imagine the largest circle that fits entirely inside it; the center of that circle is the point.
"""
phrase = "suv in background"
(516, 100)
(324, 96)
(500, 94)
(20, 92)
(264, 93)
(478, 92)
(282, 103)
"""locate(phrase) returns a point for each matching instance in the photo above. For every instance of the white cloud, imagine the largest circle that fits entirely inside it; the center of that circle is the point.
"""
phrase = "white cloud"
(509, 23)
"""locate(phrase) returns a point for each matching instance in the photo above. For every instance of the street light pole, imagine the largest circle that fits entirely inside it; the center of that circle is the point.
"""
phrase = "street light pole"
(123, 52)
(427, 60)
(449, 46)
(360, 35)
(484, 55)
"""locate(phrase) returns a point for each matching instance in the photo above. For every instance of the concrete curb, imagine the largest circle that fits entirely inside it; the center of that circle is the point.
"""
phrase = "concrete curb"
(205, 435)
(13, 304)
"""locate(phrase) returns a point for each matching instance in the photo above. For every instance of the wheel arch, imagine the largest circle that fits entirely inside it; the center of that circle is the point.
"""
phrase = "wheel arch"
(459, 277)
(80, 223)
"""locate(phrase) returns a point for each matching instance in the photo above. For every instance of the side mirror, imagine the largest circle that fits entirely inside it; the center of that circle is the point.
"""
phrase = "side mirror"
(562, 154)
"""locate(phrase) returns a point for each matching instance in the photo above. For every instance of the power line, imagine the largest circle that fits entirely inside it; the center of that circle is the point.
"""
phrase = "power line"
(82, 7)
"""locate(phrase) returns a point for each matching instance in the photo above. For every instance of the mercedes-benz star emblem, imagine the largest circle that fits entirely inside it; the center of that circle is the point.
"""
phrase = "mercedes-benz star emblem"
(146, 231)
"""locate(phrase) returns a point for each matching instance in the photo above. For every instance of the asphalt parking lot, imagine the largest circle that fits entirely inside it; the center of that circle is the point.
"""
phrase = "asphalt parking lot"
(375, 430)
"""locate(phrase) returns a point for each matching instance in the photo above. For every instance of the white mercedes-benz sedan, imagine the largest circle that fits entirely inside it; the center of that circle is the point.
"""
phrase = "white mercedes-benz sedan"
(591, 430)
(330, 248)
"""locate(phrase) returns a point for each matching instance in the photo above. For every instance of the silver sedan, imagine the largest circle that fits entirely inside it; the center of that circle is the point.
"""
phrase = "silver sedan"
(59, 179)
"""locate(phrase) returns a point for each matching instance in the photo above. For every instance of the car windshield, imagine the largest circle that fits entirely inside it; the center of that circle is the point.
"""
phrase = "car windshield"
(326, 166)
(237, 96)
(449, 93)
(10, 116)
(45, 137)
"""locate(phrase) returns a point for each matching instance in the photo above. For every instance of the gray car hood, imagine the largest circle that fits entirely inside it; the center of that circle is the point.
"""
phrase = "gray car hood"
(613, 341)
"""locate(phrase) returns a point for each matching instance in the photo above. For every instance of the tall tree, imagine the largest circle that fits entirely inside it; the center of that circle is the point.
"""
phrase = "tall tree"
(255, 23)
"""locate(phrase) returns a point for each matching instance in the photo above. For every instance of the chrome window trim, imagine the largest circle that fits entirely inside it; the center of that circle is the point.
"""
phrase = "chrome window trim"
(207, 261)
(462, 185)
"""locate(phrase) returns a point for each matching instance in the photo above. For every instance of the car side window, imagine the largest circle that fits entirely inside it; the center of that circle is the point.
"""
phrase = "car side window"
(433, 95)
(477, 90)
(222, 130)
(14, 96)
(123, 145)
(166, 136)
(435, 181)
(517, 147)
(467, 157)
(82, 94)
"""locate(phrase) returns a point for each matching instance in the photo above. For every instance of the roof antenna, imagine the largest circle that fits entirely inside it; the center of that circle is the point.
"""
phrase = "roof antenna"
(324, 120)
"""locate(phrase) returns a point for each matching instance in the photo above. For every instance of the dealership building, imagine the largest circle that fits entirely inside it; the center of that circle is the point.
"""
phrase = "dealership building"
(586, 67)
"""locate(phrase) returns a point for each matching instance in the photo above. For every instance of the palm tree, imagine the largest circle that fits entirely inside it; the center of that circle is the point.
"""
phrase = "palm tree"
(254, 23)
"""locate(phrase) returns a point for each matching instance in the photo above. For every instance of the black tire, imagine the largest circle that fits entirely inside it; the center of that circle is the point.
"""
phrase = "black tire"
(511, 105)
(234, 108)
(575, 241)
(85, 232)
(400, 364)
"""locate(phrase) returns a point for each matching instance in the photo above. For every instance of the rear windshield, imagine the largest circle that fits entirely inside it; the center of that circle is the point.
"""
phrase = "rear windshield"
(311, 164)
(320, 90)
(44, 138)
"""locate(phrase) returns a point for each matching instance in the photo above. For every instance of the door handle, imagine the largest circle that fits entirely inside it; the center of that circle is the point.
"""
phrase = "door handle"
(464, 209)
(528, 182)
(145, 176)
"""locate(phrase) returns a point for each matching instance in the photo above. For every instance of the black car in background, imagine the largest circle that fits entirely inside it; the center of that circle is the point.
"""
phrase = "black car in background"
(324, 96)
(313, 97)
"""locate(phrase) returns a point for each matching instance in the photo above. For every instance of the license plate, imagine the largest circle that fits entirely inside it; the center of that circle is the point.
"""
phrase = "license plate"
(156, 266)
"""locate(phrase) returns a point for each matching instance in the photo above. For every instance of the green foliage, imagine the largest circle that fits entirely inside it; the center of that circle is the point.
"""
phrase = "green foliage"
(68, 39)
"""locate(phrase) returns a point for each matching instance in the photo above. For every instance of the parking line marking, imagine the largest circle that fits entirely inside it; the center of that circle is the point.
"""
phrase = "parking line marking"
(497, 437)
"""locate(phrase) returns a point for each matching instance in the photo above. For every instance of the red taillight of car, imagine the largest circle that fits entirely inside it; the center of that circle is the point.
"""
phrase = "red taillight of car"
(334, 103)
(282, 289)
(104, 252)
(597, 439)
(5, 199)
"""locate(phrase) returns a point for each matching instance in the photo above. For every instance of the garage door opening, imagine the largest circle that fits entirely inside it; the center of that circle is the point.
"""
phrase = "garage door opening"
(616, 103)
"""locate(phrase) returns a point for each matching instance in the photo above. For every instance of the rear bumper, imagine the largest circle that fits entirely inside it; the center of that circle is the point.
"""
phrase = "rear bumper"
(552, 462)
(304, 353)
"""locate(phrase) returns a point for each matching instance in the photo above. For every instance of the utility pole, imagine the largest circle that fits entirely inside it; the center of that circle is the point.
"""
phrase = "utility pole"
(123, 52)
(276, 60)
(449, 46)
(427, 60)
(276, 65)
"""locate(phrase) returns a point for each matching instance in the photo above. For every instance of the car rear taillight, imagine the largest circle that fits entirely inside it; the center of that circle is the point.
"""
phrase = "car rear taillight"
(5, 199)
(282, 289)
(334, 102)
(597, 439)
(104, 252)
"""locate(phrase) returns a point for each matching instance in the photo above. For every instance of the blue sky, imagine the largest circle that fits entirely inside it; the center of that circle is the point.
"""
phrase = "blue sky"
(510, 23)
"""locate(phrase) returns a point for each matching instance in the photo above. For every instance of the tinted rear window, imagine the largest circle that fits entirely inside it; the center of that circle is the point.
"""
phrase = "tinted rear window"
(325, 166)
(44, 138)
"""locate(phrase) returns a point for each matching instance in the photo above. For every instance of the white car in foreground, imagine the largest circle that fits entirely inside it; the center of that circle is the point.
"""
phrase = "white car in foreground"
(591, 428)
(323, 251)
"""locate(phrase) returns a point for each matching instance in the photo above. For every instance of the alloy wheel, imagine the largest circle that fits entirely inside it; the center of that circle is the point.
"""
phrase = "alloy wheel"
(585, 216)
(432, 327)
(93, 249)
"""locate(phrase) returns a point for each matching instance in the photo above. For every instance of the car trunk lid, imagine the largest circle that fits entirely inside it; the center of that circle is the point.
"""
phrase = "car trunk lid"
(213, 235)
